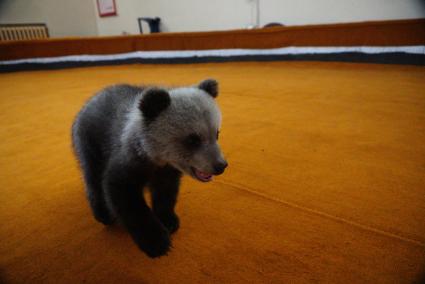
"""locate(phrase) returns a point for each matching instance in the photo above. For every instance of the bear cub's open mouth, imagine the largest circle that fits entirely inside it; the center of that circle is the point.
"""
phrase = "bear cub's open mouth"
(204, 177)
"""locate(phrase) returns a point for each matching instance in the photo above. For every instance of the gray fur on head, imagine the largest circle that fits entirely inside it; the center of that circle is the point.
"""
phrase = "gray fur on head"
(190, 111)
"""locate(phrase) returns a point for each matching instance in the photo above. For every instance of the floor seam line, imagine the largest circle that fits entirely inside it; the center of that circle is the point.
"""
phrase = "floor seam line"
(327, 215)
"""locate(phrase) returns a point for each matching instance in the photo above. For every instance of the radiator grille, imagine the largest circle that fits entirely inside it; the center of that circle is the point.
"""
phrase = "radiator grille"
(23, 31)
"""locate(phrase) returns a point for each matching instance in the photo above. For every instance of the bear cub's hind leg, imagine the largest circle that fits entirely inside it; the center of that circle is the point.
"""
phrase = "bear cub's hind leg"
(92, 166)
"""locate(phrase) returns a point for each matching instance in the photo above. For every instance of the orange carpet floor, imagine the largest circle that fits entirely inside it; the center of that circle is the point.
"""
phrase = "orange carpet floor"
(326, 182)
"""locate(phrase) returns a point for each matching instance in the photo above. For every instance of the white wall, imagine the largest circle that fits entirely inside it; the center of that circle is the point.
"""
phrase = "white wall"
(125, 21)
(199, 15)
(181, 15)
(205, 15)
(301, 12)
(80, 17)
(63, 18)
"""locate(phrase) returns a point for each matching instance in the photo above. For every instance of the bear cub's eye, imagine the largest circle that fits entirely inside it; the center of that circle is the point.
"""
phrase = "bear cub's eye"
(193, 141)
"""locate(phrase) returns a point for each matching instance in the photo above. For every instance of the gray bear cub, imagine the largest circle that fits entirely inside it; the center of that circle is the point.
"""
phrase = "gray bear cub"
(129, 137)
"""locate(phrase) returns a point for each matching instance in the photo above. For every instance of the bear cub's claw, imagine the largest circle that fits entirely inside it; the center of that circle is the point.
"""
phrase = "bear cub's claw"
(170, 221)
(154, 244)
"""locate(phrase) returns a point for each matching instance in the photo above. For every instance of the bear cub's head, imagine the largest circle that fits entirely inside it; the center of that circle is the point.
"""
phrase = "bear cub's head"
(181, 128)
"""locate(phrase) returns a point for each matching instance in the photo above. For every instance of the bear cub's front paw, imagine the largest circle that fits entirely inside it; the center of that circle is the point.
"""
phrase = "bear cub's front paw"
(102, 215)
(154, 242)
(170, 221)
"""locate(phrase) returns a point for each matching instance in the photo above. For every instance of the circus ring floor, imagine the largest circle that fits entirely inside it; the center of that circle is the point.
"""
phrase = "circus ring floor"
(326, 180)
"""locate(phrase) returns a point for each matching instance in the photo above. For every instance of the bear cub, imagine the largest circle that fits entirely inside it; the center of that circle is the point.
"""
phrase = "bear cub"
(127, 138)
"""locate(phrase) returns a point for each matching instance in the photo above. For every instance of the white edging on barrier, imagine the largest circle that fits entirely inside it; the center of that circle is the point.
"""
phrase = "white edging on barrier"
(414, 49)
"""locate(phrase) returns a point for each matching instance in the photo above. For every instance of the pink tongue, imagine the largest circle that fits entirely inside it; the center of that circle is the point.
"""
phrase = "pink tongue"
(204, 175)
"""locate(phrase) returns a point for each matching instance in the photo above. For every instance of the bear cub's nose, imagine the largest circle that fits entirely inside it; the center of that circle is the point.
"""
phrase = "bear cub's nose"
(219, 167)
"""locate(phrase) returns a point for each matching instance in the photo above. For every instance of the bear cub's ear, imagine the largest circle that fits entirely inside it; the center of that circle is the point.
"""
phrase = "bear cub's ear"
(210, 86)
(153, 101)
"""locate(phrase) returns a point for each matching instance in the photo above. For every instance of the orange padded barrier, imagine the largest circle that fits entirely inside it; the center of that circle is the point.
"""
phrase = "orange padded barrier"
(385, 33)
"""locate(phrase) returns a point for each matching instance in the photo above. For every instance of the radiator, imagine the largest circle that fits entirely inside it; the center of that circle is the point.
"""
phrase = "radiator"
(23, 31)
